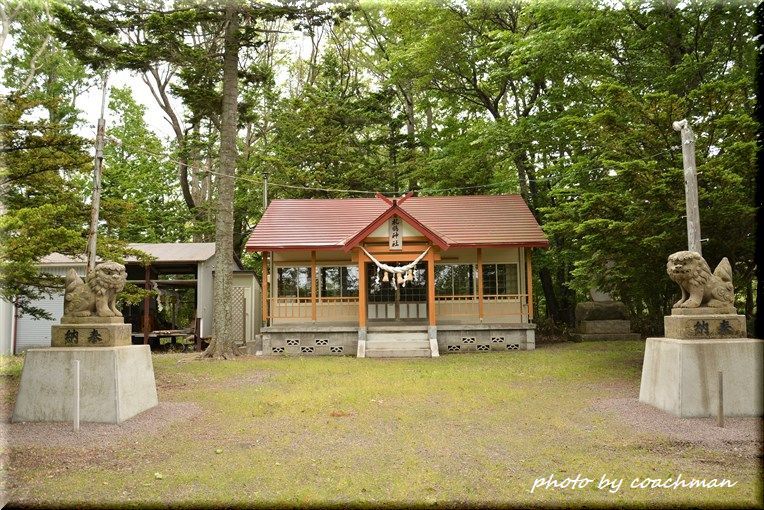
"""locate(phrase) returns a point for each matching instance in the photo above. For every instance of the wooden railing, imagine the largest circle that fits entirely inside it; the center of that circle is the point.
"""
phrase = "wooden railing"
(494, 305)
(346, 308)
(327, 308)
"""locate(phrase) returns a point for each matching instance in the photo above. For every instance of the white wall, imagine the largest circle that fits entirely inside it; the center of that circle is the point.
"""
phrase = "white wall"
(6, 327)
(32, 332)
(204, 290)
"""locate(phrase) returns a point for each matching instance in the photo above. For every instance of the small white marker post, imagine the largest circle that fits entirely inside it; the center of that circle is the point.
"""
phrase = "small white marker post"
(76, 365)
(720, 411)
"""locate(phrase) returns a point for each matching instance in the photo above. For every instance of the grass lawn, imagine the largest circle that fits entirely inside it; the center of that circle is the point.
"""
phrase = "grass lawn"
(476, 428)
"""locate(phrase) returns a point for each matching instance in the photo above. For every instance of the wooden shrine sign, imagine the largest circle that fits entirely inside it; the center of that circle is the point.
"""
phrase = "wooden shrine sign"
(395, 233)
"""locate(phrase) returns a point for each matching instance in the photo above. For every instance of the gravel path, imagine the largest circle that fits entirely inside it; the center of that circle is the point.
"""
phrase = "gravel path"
(742, 435)
(149, 422)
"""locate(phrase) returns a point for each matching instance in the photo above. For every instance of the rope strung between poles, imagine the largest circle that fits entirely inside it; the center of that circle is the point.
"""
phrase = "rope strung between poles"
(408, 269)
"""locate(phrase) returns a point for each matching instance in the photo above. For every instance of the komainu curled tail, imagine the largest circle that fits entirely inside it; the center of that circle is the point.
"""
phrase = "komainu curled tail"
(72, 280)
(723, 293)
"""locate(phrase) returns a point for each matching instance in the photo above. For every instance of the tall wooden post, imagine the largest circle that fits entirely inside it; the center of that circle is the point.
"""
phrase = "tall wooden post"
(361, 289)
(313, 281)
(529, 281)
(480, 283)
(95, 204)
(431, 288)
(690, 185)
(265, 289)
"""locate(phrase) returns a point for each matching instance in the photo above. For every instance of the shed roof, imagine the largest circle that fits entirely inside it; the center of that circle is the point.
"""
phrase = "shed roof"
(162, 252)
(459, 221)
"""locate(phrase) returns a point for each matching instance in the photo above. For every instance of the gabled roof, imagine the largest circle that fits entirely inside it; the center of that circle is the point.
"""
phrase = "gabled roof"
(460, 221)
(395, 210)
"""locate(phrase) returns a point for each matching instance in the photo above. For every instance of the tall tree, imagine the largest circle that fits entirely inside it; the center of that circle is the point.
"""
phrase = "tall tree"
(44, 165)
(138, 35)
(221, 344)
(140, 199)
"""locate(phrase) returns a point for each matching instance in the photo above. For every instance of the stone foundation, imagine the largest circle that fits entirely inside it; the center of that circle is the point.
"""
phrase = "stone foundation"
(116, 383)
(486, 337)
(603, 320)
(680, 372)
(310, 341)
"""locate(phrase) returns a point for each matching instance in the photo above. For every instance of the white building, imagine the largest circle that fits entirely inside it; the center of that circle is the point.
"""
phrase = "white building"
(193, 262)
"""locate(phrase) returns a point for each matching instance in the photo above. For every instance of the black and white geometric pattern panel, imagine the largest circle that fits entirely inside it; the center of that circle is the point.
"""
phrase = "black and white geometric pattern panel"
(454, 348)
(306, 349)
(497, 339)
(468, 339)
(336, 349)
(513, 347)
(483, 347)
(278, 350)
(322, 341)
(293, 341)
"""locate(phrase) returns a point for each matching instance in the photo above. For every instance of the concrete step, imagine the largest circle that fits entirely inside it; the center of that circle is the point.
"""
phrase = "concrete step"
(397, 353)
(384, 328)
(397, 337)
(397, 344)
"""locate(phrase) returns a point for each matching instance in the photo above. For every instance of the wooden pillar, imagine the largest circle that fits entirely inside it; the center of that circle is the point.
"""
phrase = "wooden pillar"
(146, 304)
(361, 289)
(265, 289)
(431, 287)
(313, 281)
(480, 283)
(529, 281)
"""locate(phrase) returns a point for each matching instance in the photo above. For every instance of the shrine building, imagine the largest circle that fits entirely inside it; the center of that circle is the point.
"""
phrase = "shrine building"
(381, 277)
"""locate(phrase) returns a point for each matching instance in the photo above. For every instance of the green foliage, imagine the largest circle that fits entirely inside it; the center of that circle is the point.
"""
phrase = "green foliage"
(140, 200)
(570, 104)
(619, 202)
(42, 171)
(332, 134)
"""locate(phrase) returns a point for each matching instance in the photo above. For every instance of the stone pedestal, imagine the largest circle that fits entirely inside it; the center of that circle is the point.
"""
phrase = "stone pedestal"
(704, 323)
(603, 320)
(680, 372)
(91, 332)
(681, 376)
(116, 383)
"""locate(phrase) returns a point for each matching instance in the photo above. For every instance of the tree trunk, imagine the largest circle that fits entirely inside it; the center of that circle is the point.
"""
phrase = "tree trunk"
(552, 308)
(222, 344)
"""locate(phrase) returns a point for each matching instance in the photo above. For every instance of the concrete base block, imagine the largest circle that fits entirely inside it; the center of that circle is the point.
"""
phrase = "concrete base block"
(608, 326)
(681, 376)
(92, 334)
(594, 337)
(361, 349)
(434, 352)
(116, 383)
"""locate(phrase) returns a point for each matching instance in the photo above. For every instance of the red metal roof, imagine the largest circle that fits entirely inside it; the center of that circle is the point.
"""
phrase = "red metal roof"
(469, 221)
(479, 220)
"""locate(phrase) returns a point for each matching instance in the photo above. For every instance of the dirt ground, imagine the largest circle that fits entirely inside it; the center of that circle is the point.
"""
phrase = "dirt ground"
(744, 436)
(261, 423)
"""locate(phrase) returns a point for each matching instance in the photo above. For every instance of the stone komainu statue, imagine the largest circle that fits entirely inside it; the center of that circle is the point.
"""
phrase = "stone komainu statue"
(701, 287)
(97, 295)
